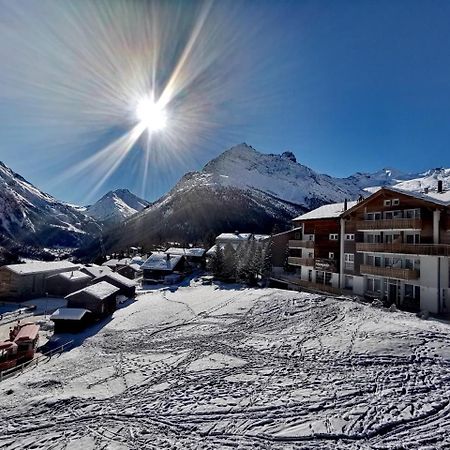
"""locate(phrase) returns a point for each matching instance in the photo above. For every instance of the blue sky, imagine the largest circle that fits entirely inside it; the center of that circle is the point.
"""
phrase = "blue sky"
(346, 85)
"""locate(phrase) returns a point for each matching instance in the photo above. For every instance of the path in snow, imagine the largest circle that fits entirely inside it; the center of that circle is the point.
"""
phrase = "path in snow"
(212, 368)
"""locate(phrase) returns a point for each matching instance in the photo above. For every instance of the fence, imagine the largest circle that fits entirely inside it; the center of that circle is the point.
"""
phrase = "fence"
(26, 366)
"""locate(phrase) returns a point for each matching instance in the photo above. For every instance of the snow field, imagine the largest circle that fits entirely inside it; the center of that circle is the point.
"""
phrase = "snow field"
(210, 368)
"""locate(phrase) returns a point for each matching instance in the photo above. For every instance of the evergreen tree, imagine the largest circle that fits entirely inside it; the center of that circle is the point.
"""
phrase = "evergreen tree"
(216, 264)
(229, 262)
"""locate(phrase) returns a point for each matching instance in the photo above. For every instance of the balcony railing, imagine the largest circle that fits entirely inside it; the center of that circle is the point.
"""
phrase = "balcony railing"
(294, 243)
(409, 249)
(294, 261)
(390, 272)
(389, 224)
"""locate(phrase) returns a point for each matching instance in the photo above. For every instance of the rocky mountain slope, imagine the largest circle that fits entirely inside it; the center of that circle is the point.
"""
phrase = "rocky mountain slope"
(115, 206)
(31, 220)
(241, 189)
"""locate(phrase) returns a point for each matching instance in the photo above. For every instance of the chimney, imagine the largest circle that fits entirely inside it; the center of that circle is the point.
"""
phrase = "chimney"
(236, 233)
(425, 190)
(345, 204)
(168, 257)
(440, 186)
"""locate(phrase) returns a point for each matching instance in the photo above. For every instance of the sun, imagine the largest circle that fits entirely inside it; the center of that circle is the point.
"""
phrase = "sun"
(151, 115)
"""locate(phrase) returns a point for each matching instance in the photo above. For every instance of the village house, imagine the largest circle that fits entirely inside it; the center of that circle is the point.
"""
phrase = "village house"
(99, 299)
(29, 280)
(163, 268)
(235, 240)
(111, 263)
(94, 271)
(194, 257)
(131, 271)
(393, 246)
(126, 287)
(64, 283)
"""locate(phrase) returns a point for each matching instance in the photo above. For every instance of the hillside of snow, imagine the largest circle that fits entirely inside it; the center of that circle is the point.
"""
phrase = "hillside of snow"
(207, 367)
(31, 218)
(115, 206)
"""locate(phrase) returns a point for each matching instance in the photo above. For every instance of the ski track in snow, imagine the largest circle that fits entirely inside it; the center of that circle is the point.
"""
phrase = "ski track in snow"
(209, 368)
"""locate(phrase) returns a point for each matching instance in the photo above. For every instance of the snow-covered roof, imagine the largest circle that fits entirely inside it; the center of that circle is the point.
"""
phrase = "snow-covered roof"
(136, 267)
(111, 262)
(212, 250)
(440, 198)
(334, 210)
(124, 262)
(99, 290)
(69, 314)
(261, 237)
(160, 261)
(117, 277)
(196, 251)
(72, 275)
(233, 237)
(95, 271)
(41, 267)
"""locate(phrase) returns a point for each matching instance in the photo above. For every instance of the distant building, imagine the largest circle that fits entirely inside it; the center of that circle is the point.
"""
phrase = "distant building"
(29, 280)
(126, 286)
(111, 263)
(100, 299)
(131, 271)
(194, 257)
(94, 271)
(64, 283)
(160, 265)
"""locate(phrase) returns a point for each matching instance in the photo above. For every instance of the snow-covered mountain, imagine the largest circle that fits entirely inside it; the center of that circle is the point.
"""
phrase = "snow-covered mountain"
(31, 220)
(383, 177)
(115, 206)
(242, 189)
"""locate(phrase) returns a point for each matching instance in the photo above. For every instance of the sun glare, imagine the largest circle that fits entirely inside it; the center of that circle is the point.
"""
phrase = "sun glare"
(151, 115)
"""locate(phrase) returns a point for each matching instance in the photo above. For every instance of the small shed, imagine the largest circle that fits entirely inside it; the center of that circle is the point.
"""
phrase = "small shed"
(126, 286)
(159, 265)
(62, 284)
(132, 271)
(100, 299)
(71, 320)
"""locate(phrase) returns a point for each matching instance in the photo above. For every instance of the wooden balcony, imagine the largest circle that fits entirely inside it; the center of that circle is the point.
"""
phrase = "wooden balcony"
(390, 272)
(294, 243)
(293, 261)
(389, 224)
(408, 249)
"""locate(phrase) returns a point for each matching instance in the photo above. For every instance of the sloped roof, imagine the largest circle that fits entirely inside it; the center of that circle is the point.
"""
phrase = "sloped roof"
(440, 198)
(196, 251)
(41, 267)
(333, 210)
(261, 237)
(159, 261)
(99, 290)
(234, 236)
(111, 262)
(118, 278)
(95, 271)
(69, 314)
(75, 275)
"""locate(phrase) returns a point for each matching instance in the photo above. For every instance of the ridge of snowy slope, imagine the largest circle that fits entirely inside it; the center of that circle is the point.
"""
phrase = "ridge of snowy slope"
(31, 217)
(115, 206)
(279, 176)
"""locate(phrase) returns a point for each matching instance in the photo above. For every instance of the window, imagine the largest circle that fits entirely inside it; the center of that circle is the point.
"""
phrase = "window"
(320, 277)
(349, 257)
(331, 255)
(387, 203)
(310, 275)
(328, 276)
(412, 213)
(310, 255)
(374, 285)
(349, 237)
(298, 236)
(334, 237)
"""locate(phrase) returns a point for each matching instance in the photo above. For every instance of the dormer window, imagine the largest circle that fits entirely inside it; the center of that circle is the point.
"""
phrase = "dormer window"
(395, 201)
(387, 203)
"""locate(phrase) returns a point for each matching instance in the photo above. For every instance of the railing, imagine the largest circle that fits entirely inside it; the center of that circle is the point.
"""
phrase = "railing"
(28, 365)
(414, 249)
(295, 243)
(389, 224)
(390, 272)
(294, 261)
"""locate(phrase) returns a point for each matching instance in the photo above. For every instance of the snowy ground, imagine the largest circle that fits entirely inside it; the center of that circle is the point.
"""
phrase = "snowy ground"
(211, 368)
